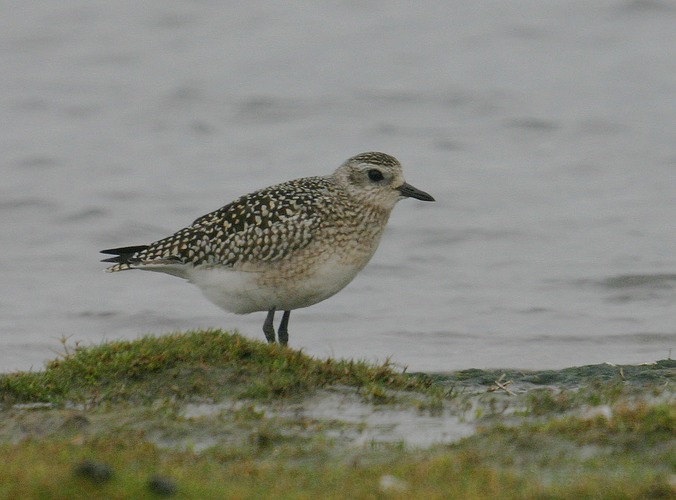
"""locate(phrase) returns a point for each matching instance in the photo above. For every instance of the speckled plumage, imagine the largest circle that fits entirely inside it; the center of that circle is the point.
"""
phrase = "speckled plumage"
(286, 246)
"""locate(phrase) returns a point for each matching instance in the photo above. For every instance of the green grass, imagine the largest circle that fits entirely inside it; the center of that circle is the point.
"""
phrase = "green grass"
(117, 426)
(631, 454)
(49, 469)
(208, 477)
(209, 363)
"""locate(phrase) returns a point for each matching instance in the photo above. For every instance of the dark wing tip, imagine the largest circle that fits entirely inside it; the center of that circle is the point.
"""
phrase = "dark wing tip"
(125, 250)
(123, 254)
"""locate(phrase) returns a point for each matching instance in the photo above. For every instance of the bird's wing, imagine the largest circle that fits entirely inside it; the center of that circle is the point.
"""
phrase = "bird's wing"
(262, 226)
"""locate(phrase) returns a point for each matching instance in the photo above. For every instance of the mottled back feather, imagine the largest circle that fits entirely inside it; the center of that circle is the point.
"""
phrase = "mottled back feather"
(265, 225)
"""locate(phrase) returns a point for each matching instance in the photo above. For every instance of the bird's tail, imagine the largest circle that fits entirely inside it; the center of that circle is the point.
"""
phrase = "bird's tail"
(123, 257)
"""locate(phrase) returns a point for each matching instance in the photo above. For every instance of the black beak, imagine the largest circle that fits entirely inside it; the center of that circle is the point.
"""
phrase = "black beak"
(411, 192)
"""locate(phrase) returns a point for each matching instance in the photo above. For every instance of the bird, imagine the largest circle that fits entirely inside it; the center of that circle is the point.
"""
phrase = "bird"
(284, 247)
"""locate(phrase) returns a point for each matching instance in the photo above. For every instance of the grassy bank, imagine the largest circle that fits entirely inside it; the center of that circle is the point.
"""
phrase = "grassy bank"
(215, 415)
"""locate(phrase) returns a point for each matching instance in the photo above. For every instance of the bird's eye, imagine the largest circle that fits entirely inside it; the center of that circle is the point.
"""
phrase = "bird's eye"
(375, 175)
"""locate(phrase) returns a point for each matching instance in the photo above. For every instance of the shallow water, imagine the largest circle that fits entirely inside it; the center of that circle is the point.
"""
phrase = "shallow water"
(545, 130)
(369, 424)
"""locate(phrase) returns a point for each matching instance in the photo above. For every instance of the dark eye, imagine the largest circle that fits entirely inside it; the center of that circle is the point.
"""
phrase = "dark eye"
(375, 175)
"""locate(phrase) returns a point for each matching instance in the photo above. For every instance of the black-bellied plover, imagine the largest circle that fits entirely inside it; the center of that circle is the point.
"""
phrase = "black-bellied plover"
(286, 246)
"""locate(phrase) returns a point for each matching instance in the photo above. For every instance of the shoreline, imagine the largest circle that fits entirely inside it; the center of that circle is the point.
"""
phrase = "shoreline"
(184, 404)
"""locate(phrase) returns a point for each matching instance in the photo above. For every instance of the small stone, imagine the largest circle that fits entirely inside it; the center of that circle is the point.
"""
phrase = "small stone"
(389, 484)
(162, 486)
(95, 471)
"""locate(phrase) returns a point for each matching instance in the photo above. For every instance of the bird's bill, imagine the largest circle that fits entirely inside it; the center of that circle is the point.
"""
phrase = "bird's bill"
(412, 192)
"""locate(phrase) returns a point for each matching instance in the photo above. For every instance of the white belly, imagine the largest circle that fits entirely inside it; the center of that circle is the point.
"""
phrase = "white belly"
(242, 292)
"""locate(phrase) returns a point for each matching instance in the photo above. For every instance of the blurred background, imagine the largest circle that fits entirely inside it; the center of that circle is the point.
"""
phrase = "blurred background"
(545, 130)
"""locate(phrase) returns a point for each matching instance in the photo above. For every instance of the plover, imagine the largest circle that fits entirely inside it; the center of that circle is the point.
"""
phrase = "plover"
(284, 247)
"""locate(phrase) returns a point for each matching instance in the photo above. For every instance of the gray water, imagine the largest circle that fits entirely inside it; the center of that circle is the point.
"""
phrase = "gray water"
(545, 130)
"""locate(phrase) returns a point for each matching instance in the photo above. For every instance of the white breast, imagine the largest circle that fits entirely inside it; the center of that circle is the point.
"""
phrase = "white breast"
(243, 292)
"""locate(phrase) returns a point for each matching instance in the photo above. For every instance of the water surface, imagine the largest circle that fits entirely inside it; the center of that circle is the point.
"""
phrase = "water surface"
(545, 130)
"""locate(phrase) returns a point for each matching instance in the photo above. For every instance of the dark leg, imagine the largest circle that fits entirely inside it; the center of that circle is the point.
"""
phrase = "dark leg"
(268, 327)
(283, 331)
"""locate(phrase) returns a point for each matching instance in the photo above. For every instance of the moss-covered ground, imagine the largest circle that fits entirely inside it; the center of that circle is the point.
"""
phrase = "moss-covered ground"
(210, 414)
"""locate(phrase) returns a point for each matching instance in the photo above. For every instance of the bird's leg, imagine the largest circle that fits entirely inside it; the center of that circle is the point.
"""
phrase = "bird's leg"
(282, 331)
(268, 327)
